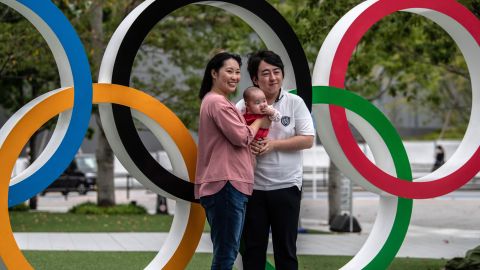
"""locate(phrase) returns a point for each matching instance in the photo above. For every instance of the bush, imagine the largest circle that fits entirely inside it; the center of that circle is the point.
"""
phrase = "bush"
(19, 208)
(470, 262)
(90, 208)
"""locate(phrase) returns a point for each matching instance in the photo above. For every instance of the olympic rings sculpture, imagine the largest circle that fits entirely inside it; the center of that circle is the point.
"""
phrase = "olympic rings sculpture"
(392, 179)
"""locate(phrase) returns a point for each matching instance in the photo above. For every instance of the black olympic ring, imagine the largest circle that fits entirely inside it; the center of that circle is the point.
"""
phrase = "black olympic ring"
(123, 65)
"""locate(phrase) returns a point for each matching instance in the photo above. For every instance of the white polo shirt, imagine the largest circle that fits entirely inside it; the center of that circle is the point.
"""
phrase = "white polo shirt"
(282, 169)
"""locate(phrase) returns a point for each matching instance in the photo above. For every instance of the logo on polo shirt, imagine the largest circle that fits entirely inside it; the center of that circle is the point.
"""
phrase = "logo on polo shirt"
(285, 120)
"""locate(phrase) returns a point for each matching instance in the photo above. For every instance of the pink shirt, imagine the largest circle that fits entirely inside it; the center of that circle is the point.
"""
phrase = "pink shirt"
(223, 148)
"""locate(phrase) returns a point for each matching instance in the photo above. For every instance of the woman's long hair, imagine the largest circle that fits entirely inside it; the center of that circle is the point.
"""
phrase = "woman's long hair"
(215, 64)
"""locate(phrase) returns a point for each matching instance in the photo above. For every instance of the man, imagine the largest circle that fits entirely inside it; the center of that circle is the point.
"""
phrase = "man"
(275, 202)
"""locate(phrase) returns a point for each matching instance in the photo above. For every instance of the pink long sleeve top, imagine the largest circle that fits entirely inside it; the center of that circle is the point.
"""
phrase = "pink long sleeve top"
(223, 148)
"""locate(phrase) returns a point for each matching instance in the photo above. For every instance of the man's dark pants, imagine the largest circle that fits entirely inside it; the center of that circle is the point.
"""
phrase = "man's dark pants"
(278, 209)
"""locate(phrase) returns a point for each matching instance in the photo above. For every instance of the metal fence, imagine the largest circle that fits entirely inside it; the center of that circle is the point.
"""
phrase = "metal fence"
(315, 179)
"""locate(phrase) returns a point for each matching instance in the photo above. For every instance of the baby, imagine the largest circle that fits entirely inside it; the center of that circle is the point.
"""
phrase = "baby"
(257, 107)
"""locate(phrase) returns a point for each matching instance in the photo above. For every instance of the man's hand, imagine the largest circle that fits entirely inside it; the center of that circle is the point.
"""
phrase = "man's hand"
(262, 147)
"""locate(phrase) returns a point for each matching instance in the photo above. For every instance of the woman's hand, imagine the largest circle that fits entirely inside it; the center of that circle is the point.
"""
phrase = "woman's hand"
(262, 147)
(265, 122)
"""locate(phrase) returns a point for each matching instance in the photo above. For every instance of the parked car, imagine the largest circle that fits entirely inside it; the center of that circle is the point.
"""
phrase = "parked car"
(80, 176)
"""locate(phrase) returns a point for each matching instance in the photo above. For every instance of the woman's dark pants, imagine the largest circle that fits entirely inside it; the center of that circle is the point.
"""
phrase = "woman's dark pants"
(225, 213)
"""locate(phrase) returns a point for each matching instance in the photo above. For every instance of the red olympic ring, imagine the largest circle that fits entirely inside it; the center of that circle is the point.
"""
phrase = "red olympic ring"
(379, 178)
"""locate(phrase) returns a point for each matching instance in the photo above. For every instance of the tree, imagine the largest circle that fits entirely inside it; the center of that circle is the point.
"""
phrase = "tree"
(95, 22)
(104, 153)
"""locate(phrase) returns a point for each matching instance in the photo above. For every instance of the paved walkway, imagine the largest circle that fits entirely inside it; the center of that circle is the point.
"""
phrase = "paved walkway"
(444, 227)
(420, 242)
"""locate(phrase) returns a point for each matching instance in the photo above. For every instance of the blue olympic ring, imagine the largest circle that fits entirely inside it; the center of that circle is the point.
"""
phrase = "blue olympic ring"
(82, 106)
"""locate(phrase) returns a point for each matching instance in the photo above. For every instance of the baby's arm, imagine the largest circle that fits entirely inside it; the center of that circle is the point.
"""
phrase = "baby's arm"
(272, 113)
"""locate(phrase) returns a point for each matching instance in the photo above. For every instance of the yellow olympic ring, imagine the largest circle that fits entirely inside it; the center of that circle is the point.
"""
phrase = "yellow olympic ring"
(61, 101)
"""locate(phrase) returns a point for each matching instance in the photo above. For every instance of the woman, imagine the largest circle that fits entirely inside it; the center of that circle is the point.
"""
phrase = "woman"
(224, 176)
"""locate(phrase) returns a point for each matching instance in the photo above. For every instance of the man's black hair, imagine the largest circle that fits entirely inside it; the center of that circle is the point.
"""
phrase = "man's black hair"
(263, 55)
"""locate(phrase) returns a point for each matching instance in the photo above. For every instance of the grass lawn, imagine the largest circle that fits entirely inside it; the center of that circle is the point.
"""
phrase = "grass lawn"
(139, 260)
(59, 222)
(64, 222)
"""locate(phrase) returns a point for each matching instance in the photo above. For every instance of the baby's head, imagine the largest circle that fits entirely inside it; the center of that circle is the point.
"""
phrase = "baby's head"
(255, 100)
